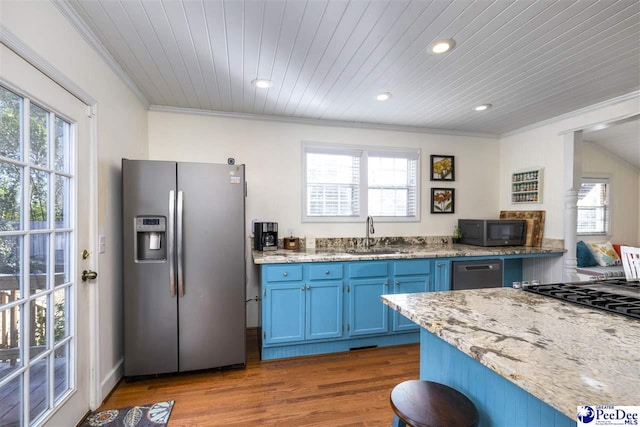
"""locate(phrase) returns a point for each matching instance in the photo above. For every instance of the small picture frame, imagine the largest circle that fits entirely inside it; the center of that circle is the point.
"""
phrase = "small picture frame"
(443, 200)
(442, 168)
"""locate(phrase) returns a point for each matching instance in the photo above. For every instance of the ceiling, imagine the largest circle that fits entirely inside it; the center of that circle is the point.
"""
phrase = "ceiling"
(531, 59)
(621, 138)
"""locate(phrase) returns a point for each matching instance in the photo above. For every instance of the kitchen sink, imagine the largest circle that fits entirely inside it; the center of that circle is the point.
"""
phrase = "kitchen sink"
(375, 252)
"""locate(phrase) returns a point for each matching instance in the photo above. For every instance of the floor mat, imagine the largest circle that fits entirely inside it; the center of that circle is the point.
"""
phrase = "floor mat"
(148, 415)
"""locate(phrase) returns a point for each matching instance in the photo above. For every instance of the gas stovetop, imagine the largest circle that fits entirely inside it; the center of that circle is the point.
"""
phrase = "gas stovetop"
(613, 295)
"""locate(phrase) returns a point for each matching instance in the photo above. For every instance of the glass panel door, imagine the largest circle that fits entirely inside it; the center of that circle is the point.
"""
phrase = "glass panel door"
(44, 340)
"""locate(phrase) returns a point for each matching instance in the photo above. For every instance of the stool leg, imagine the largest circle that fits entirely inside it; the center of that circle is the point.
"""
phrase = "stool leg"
(397, 422)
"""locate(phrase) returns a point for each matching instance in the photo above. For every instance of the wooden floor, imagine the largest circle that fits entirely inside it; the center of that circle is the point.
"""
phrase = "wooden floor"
(342, 389)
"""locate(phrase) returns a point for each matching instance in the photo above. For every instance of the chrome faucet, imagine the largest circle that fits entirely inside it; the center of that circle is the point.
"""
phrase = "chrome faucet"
(371, 230)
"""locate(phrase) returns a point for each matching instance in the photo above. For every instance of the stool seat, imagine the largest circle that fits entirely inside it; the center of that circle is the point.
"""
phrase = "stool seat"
(429, 404)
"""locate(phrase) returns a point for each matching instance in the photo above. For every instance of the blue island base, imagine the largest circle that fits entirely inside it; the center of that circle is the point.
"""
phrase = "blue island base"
(500, 402)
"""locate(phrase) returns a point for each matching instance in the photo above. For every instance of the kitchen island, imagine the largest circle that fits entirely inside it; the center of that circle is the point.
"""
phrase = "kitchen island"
(522, 358)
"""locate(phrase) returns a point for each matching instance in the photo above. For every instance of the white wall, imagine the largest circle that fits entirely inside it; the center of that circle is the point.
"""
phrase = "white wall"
(272, 153)
(543, 146)
(121, 132)
(625, 187)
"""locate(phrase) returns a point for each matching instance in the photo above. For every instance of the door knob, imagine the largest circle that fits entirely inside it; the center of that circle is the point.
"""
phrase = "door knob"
(88, 275)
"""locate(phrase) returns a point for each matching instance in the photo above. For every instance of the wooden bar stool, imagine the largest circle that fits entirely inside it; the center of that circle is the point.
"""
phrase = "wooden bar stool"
(428, 404)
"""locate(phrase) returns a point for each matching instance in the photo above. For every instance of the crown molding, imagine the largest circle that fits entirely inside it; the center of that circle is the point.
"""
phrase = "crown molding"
(87, 34)
(318, 122)
(607, 103)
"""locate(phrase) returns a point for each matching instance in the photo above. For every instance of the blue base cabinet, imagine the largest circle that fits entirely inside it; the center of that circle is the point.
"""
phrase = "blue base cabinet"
(368, 280)
(325, 307)
(283, 313)
(323, 310)
(297, 310)
(409, 276)
(315, 308)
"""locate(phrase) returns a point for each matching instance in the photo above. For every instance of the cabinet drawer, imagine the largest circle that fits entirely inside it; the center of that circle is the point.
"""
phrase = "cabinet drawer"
(367, 269)
(284, 273)
(325, 271)
(411, 267)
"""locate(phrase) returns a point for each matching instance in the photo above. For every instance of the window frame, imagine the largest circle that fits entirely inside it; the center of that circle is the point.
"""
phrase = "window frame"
(363, 186)
(598, 179)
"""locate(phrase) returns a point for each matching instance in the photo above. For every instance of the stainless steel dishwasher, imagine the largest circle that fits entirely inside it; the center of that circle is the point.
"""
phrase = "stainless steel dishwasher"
(476, 274)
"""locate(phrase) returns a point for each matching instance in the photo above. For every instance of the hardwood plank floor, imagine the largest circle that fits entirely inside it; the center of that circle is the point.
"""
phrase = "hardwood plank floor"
(342, 389)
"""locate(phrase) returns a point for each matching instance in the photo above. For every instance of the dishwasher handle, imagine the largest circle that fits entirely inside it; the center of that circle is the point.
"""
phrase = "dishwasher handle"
(480, 267)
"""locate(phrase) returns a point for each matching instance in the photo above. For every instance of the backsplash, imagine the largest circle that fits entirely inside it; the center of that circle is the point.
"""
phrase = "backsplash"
(358, 242)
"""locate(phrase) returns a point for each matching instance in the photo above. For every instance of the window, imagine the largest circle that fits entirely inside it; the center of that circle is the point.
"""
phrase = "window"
(343, 183)
(593, 207)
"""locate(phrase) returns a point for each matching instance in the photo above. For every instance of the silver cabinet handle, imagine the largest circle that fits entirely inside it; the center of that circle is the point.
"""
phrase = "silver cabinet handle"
(171, 232)
(386, 283)
(179, 218)
(308, 287)
(397, 283)
(326, 272)
(285, 274)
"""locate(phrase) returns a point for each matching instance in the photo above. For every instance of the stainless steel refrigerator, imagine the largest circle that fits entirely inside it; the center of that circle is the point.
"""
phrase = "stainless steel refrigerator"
(184, 266)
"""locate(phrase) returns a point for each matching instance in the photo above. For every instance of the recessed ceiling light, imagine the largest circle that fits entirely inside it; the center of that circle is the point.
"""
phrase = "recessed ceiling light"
(482, 107)
(384, 96)
(262, 83)
(442, 46)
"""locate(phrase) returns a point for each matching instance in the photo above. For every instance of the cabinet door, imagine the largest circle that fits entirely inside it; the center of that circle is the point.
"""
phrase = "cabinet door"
(407, 285)
(323, 310)
(368, 315)
(283, 317)
(442, 276)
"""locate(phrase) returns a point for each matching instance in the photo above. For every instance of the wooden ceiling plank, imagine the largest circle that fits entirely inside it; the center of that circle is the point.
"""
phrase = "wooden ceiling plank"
(162, 27)
(552, 46)
(179, 19)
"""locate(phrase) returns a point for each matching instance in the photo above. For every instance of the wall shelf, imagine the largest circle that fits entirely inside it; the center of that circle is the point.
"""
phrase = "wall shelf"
(526, 186)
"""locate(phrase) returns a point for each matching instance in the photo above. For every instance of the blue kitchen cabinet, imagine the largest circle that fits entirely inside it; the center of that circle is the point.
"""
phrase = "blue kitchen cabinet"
(441, 275)
(283, 315)
(409, 276)
(368, 280)
(301, 305)
(284, 304)
(324, 301)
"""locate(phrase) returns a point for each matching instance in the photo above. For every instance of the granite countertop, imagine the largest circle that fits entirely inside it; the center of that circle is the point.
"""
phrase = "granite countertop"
(394, 252)
(564, 354)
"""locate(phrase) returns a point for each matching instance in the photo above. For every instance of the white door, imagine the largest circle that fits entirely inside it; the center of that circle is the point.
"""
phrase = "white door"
(45, 224)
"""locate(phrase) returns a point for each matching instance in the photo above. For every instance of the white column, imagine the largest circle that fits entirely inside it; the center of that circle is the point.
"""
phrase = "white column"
(573, 179)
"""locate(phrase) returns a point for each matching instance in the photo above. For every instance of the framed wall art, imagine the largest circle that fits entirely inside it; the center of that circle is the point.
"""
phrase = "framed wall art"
(442, 168)
(443, 200)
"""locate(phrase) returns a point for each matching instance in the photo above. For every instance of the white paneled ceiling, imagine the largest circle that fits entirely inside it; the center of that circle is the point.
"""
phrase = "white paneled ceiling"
(531, 59)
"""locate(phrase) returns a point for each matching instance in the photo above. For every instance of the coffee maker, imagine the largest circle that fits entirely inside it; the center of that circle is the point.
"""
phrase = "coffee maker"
(265, 236)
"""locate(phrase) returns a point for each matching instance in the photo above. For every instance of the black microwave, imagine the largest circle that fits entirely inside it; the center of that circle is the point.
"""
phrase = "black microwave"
(493, 232)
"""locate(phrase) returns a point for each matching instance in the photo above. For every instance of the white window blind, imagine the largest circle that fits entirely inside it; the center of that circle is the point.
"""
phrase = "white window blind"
(342, 183)
(593, 207)
(392, 186)
(333, 184)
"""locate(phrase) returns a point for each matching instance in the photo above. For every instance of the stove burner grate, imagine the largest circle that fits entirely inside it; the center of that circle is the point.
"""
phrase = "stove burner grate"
(584, 293)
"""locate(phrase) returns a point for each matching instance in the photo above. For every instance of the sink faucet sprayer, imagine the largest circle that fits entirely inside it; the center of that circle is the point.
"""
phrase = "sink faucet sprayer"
(371, 230)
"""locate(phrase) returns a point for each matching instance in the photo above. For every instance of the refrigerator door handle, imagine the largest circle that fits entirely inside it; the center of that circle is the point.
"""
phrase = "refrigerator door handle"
(171, 242)
(179, 244)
